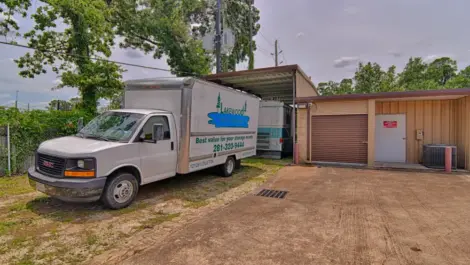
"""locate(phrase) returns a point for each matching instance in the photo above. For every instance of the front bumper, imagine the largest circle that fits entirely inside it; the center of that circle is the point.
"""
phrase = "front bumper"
(65, 189)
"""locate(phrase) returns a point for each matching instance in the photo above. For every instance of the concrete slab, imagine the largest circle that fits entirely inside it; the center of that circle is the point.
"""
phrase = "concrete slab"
(332, 216)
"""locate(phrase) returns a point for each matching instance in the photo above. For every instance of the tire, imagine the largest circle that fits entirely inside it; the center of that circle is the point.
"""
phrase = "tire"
(120, 191)
(228, 167)
(238, 164)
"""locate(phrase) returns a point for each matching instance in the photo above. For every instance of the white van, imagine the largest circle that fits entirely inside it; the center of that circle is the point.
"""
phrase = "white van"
(168, 126)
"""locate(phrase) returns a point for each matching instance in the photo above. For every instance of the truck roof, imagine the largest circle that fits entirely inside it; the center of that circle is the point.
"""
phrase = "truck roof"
(142, 111)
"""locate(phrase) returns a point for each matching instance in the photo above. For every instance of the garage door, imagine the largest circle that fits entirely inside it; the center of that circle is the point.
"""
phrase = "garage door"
(339, 138)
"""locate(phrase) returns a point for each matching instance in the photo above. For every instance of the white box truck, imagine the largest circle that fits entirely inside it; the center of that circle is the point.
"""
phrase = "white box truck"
(167, 126)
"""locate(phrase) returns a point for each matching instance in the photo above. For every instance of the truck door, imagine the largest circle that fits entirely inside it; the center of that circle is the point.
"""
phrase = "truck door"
(158, 159)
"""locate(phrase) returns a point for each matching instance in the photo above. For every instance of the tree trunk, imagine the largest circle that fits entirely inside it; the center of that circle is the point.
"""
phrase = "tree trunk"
(89, 99)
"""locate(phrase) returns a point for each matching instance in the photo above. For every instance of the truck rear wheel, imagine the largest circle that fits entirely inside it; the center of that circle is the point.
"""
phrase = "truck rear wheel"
(228, 168)
(120, 191)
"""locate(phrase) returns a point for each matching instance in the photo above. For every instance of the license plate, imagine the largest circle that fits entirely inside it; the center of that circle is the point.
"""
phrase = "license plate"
(40, 187)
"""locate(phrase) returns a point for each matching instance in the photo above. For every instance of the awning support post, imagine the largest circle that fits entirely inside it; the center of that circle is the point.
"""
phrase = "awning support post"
(294, 119)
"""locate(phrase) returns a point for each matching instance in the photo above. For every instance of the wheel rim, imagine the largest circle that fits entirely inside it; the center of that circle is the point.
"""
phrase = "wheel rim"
(230, 166)
(123, 191)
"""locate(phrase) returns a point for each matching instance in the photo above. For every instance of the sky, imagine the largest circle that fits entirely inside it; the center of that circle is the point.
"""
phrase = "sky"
(326, 38)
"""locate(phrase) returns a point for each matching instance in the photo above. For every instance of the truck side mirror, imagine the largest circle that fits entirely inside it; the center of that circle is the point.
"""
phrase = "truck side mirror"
(157, 132)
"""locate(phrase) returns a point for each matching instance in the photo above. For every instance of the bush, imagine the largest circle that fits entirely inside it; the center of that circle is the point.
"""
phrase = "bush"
(29, 128)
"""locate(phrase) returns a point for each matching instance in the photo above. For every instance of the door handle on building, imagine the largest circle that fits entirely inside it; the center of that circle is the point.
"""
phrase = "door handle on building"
(365, 142)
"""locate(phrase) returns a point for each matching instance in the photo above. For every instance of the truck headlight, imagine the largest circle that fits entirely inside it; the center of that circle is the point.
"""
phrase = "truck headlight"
(81, 168)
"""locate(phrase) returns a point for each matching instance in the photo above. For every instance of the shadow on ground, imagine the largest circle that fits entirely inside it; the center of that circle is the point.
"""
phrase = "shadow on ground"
(193, 188)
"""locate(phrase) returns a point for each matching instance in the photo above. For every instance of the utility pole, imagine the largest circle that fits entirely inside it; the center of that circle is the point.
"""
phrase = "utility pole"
(251, 59)
(218, 39)
(16, 100)
(28, 106)
(276, 53)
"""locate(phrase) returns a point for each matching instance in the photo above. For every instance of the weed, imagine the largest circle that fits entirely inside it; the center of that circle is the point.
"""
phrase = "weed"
(158, 219)
(20, 206)
(91, 239)
(14, 186)
(130, 209)
(196, 204)
(6, 226)
(17, 242)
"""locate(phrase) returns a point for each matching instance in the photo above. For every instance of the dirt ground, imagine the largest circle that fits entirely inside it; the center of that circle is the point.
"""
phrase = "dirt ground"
(35, 229)
(329, 216)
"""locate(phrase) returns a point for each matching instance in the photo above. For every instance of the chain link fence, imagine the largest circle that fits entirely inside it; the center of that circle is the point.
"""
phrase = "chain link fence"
(28, 129)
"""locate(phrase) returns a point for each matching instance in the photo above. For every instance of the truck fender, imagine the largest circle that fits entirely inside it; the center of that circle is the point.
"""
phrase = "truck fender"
(126, 165)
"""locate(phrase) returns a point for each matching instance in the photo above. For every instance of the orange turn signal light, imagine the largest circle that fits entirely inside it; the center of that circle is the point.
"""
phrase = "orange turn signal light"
(79, 174)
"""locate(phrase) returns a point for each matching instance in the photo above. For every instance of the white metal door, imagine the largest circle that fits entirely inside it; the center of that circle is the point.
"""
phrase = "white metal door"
(390, 138)
(158, 160)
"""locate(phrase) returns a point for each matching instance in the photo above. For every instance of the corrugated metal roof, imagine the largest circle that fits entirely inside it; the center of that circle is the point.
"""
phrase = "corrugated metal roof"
(273, 83)
(384, 95)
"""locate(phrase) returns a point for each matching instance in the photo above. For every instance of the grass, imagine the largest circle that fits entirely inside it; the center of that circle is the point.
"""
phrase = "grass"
(31, 221)
(10, 186)
(91, 239)
(196, 204)
(158, 219)
(6, 226)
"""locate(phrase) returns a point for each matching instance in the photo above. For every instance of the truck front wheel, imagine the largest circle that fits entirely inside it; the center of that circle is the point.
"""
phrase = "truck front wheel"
(120, 191)
(228, 168)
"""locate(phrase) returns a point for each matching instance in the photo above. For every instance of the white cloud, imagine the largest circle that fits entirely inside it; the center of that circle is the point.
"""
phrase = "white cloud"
(4, 95)
(432, 57)
(345, 61)
(57, 82)
(300, 35)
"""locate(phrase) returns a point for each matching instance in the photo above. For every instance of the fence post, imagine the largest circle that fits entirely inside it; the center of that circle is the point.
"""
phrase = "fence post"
(8, 147)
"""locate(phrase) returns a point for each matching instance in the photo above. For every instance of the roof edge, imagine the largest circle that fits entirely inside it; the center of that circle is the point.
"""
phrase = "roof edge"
(401, 94)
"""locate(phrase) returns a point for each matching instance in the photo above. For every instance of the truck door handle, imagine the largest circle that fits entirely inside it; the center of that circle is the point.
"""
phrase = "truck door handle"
(172, 146)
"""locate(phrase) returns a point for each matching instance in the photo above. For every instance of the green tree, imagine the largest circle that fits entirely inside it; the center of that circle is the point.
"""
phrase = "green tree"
(88, 33)
(328, 88)
(9, 8)
(441, 70)
(240, 26)
(163, 27)
(368, 78)
(413, 76)
(461, 80)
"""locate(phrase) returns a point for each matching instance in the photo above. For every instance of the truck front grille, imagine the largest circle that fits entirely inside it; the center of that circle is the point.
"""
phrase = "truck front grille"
(50, 165)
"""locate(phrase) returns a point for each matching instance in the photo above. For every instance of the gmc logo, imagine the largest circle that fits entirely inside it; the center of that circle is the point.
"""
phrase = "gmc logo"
(48, 164)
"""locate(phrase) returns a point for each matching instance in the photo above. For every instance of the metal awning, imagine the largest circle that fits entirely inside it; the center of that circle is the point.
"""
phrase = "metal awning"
(273, 83)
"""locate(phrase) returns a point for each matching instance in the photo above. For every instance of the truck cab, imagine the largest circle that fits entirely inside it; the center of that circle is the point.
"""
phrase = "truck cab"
(137, 146)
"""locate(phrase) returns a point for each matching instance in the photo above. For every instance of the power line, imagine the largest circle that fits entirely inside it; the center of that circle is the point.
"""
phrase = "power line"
(91, 58)
(266, 39)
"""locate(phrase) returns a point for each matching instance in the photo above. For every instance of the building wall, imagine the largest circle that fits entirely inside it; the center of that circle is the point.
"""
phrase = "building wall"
(442, 121)
(302, 134)
(303, 87)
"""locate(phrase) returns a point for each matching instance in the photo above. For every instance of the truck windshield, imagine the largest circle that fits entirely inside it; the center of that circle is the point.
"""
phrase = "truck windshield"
(112, 126)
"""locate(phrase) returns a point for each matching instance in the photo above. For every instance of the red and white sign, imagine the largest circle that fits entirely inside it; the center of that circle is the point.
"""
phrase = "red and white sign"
(390, 124)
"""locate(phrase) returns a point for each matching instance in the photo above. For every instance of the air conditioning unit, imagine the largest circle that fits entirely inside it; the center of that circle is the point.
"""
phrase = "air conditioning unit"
(434, 155)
